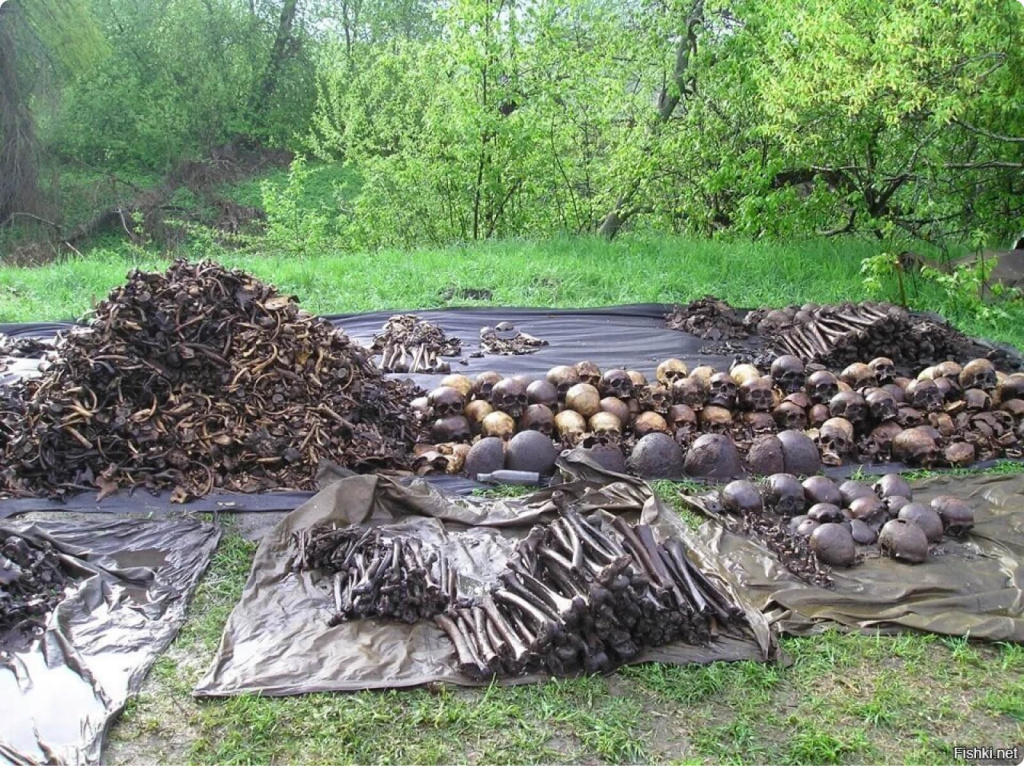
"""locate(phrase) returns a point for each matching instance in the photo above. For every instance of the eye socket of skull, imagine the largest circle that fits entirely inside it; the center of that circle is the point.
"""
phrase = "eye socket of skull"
(446, 401)
(757, 395)
(881, 406)
(978, 373)
(722, 390)
(671, 370)
(484, 383)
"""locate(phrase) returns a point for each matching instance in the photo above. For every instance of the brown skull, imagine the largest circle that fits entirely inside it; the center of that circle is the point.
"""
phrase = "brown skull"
(977, 400)
(788, 373)
(588, 372)
(656, 398)
(562, 378)
(756, 395)
(722, 390)
(617, 383)
(821, 386)
(789, 416)
(670, 371)
(446, 401)
(881, 405)
(689, 392)
(924, 395)
(858, 375)
(978, 373)
(509, 396)
(884, 369)
(484, 383)
(850, 406)
(537, 417)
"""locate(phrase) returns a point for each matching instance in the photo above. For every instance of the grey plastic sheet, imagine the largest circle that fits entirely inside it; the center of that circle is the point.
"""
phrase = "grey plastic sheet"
(973, 588)
(277, 640)
(135, 578)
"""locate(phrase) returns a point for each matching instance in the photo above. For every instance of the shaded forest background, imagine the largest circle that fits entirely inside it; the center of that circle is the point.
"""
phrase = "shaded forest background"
(458, 120)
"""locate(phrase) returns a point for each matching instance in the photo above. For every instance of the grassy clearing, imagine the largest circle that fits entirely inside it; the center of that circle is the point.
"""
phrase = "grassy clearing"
(844, 699)
(558, 273)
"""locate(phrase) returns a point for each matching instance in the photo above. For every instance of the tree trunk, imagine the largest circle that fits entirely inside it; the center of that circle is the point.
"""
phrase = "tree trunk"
(19, 177)
(670, 98)
(279, 53)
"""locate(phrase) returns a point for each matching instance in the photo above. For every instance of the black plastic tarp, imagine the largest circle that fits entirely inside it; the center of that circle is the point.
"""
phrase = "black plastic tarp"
(277, 640)
(972, 588)
(134, 579)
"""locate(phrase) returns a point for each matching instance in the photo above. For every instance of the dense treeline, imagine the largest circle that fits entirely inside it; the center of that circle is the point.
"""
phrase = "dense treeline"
(470, 119)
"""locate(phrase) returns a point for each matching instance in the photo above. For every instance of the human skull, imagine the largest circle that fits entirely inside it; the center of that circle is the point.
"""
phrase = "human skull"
(924, 395)
(460, 382)
(882, 436)
(909, 417)
(537, 417)
(788, 373)
(948, 370)
(682, 417)
(817, 415)
(722, 390)
(616, 407)
(884, 369)
(542, 392)
(446, 401)
(484, 383)
(851, 406)
(475, 413)
(648, 423)
(571, 427)
(1012, 387)
(821, 386)
(454, 428)
(756, 395)
(800, 399)
(949, 388)
(670, 371)
(896, 392)
(689, 392)
(509, 396)
(638, 378)
(759, 422)
(656, 398)
(617, 383)
(915, 446)
(977, 400)
(715, 419)
(789, 416)
(606, 427)
(978, 373)
(420, 407)
(881, 405)
(741, 373)
(588, 372)
(835, 439)
(562, 378)
(702, 374)
(858, 375)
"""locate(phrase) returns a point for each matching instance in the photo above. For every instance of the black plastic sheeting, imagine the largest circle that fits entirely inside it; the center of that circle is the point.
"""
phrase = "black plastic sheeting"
(134, 579)
(277, 640)
(972, 588)
(632, 336)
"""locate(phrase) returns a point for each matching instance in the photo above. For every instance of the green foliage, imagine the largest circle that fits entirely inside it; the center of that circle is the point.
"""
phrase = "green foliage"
(292, 227)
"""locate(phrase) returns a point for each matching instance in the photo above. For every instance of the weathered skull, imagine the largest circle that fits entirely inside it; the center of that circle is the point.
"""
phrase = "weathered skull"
(715, 419)
(563, 378)
(420, 407)
(759, 422)
(1014, 406)
(638, 378)
(498, 424)
(883, 435)
(459, 382)
(835, 439)
(881, 405)
(450, 429)
(800, 399)
(682, 417)
(949, 388)
(606, 427)
(484, 383)
(616, 407)
(915, 446)
(896, 392)
(475, 413)
(884, 369)
(788, 373)
(908, 417)
(858, 375)
(977, 400)
(756, 395)
(617, 383)
(670, 371)
(942, 423)
(924, 395)
(537, 417)
(689, 392)
(656, 398)
(821, 386)
(571, 427)
(1012, 387)
(789, 416)
(817, 415)
(722, 390)
(741, 373)
(850, 406)
(648, 423)
(509, 396)
(446, 401)
(588, 372)
(542, 392)
(948, 370)
(978, 373)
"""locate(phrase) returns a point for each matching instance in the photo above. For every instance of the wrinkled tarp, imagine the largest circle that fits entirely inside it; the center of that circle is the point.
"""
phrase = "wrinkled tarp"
(632, 336)
(136, 576)
(277, 640)
(972, 588)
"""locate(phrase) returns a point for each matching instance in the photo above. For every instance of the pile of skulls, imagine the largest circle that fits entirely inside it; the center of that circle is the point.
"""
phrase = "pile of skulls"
(194, 379)
(32, 583)
(587, 593)
(410, 344)
(711, 423)
(842, 524)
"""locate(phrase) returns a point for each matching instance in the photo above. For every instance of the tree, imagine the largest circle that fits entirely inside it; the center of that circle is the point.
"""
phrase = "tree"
(60, 35)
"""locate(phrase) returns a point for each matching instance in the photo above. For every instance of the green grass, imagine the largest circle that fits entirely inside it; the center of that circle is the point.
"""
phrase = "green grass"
(557, 273)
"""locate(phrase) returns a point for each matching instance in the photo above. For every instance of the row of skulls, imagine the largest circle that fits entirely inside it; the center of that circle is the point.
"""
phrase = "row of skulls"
(949, 413)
